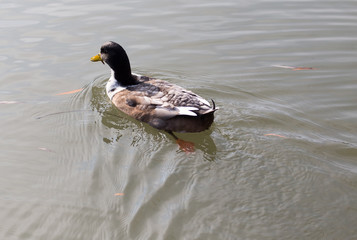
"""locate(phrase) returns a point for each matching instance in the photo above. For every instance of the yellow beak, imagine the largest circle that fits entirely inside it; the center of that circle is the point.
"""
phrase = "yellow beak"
(97, 58)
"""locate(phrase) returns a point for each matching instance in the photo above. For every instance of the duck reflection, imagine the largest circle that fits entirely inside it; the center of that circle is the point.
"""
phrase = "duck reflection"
(114, 119)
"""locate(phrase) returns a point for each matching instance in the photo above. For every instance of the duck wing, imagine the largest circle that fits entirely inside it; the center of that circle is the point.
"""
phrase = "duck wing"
(170, 100)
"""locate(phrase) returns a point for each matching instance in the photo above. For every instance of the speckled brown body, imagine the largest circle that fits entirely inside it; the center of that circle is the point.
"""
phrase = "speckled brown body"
(155, 102)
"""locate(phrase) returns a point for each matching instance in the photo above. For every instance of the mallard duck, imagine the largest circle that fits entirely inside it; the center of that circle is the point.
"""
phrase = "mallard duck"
(161, 104)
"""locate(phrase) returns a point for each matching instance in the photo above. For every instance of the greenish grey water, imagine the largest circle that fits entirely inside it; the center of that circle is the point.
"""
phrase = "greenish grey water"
(280, 162)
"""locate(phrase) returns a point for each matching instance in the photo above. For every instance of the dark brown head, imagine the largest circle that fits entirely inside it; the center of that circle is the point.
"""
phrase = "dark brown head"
(115, 56)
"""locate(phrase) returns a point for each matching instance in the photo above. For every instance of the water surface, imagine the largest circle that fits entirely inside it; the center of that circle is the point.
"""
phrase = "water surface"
(280, 162)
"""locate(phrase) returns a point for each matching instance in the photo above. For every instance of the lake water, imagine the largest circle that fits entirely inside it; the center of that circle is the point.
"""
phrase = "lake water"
(280, 161)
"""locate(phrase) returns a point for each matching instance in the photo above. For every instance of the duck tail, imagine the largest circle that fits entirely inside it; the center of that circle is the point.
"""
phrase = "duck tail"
(214, 105)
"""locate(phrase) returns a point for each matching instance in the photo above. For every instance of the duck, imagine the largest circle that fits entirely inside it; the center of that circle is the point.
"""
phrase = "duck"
(161, 104)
